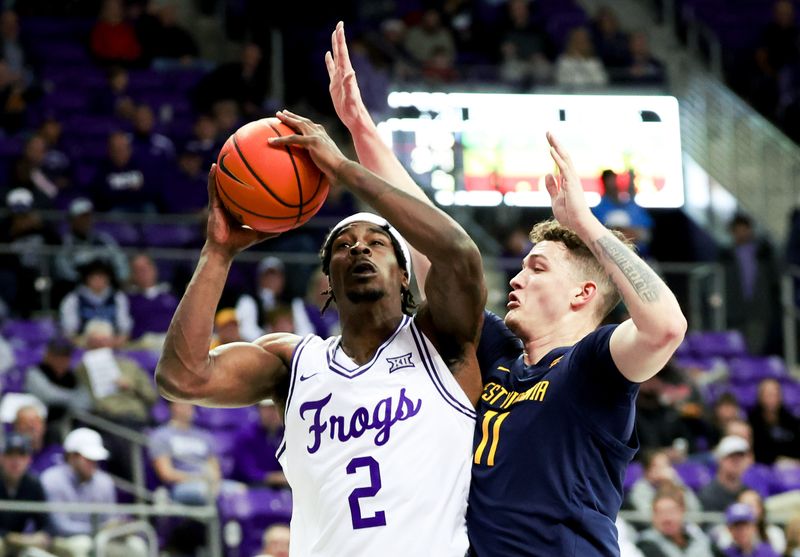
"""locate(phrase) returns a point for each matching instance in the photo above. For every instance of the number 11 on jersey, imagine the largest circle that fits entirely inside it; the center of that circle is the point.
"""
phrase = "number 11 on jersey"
(379, 518)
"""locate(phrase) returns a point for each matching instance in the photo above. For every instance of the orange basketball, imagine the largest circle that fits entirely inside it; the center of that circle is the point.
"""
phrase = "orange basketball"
(271, 189)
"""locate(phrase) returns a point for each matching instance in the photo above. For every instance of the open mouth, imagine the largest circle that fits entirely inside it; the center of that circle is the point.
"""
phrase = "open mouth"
(512, 301)
(363, 268)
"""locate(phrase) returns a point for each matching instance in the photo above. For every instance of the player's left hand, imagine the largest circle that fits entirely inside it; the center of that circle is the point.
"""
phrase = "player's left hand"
(344, 90)
(565, 189)
(312, 137)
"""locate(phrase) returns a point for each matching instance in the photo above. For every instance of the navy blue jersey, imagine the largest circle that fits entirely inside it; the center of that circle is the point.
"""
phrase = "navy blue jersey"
(552, 443)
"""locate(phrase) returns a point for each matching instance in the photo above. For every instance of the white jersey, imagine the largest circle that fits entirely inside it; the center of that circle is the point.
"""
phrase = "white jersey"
(378, 456)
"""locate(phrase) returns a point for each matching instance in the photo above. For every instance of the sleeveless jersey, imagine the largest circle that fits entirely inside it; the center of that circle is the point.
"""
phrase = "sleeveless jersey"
(378, 456)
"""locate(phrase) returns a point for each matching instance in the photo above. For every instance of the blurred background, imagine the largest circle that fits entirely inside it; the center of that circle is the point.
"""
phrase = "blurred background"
(683, 118)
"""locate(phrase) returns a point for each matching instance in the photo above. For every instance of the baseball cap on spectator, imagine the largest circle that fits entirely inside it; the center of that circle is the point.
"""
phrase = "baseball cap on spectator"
(87, 443)
(270, 263)
(17, 443)
(738, 513)
(80, 206)
(224, 317)
(732, 444)
(19, 200)
(61, 346)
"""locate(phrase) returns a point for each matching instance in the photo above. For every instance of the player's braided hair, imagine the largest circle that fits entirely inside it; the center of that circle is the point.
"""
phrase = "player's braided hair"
(586, 263)
(408, 304)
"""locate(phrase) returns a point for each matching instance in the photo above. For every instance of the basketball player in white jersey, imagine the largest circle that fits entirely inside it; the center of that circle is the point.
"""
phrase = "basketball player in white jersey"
(379, 421)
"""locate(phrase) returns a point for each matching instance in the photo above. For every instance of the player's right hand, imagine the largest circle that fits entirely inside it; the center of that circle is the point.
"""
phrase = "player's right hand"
(222, 230)
(344, 90)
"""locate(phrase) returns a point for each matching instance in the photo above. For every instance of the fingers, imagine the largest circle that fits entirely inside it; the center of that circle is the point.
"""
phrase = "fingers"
(298, 123)
(561, 163)
(286, 140)
(213, 198)
(329, 64)
(551, 183)
(344, 60)
(559, 148)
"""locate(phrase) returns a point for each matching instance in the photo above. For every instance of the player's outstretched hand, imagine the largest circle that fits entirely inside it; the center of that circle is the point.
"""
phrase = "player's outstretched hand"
(222, 230)
(312, 137)
(344, 90)
(566, 193)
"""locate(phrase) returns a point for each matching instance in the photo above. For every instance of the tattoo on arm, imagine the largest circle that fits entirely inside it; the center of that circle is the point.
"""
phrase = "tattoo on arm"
(645, 282)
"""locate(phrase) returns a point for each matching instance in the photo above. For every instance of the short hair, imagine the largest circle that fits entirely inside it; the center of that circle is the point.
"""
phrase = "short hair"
(741, 219)
(649, 457)
(727, 398)
(98, 327)
(585, 261)
(273, 528)
(671, 492)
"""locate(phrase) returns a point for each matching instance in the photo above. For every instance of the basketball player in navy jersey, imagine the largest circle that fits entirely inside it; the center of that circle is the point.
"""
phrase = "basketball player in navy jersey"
(367, 412)
(555, 428)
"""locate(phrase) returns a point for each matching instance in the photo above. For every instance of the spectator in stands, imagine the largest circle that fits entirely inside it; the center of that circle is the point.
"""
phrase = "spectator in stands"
(246, 82)
(188, 189)
(658, 424)
(27, 235)
(227, 117)
(7, 357)
(523, 48)
(430, 38)
(82, 243)
(14, 99)
(11, 49)
(56, 164)
(121, 390)
(741, 522)
(610, 42)
(776, 432)
(778, 49)
(733, 459)
(658, 474)
(53, 382)
(275, 542)
(113, 39)
(439, 68)
(28, 173)
(578, 66)
(205, 140)
(30, 421)
(251, 309)
(669, 533)
(183, 457)
(391, 44)
(163, 39)
(740, 428)
(122, 181)
(751, 289)
(79, 480)
(725, 410)
(226, 328)
(115, 98)
(618, 210)
(769, 533)
(641, 67)
(793, 537)
(20, 530)
(148, 145)
(307, 312)
(255, 448)
(96, 297)
(152, 302)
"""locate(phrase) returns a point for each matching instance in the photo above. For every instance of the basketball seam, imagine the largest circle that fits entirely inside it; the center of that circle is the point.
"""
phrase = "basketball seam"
(233, 201)
(296, 174)
(260, 181)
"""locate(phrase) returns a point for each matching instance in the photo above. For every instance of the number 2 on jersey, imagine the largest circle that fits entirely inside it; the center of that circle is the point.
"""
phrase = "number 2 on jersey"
(495, 436)
(379, 518)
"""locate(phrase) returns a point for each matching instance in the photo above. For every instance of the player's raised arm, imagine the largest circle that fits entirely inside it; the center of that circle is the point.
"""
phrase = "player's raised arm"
(642, 345)
(236, 374)
(455, 289)
(372, 152)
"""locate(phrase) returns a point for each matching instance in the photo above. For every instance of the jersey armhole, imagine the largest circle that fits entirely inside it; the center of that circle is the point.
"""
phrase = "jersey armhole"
(443, 385)
(296, 353)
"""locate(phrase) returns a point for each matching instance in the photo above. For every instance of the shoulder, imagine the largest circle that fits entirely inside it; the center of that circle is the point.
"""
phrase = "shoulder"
(53, 476)
(595, 343)
(281, 345)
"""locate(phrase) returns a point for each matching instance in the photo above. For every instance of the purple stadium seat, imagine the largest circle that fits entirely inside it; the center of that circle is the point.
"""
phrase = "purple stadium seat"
(159, 413)
(124, 233)
(791, 396)
(33, 332)
(694, 362)
(632, 475)
(255, 510)
(759, 478)
(10, 146)
(754, 369)
(725, 344)
(223, 447)
(694, 474)
(171, 235)
(13, 381)
(785, 479)
(745, 394)
(85, 125)
(224, 418)
(145, 358)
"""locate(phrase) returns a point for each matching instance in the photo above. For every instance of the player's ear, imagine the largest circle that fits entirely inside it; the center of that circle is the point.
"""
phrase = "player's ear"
(405, 282)
(583, 294)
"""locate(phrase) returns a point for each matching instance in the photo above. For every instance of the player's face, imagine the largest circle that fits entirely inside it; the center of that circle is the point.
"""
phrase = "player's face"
(363, 265)
(542, 290)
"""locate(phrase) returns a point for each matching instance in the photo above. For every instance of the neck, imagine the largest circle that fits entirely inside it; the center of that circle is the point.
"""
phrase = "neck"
(179, 425)
(539, 343)
(365, 327)
(729, 481)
